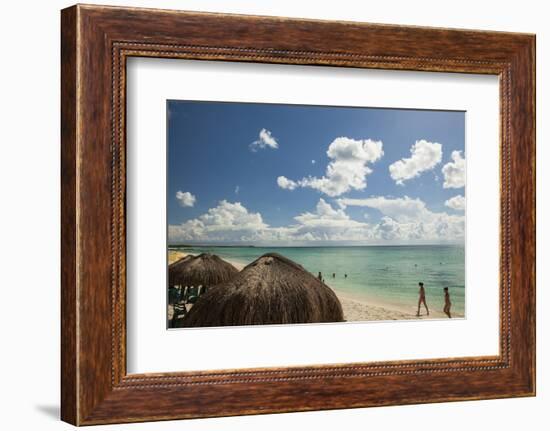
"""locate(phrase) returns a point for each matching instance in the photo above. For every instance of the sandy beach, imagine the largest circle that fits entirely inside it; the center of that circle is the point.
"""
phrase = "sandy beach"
(357, 310)
(175, 255)
(354, 309)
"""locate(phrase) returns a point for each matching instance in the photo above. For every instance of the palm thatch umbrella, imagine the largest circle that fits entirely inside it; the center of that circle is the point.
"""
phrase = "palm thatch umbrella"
(194, 273)
(270, 290)
(203, 270)
(173, 292)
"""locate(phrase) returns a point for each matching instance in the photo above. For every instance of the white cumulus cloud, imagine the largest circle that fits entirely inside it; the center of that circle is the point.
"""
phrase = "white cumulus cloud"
(454, 172)
(265, 140)
(388, 229)
(457, 203)
(324, 215)
(402, 209)
(404, 220)
(347, 169)
(409, 219)
(229, 221)
(424, 156)
(185, 199)
(329, 224)
(285, 183)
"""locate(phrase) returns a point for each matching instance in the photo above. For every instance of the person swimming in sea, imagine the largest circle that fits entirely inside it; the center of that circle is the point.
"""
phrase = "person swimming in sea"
(422, 299)
(447, 307)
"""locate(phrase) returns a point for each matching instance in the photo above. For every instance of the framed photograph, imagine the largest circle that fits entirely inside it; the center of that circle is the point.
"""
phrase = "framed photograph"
(266, 215)
(325, 247)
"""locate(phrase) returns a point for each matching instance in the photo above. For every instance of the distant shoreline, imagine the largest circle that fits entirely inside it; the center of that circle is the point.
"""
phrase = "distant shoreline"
(355, 309)
(450, 244)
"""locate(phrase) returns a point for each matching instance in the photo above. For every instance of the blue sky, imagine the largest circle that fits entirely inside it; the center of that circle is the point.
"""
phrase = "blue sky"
(350, 175)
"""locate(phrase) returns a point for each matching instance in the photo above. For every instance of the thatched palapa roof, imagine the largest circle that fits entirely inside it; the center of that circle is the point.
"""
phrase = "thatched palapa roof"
(270, 290)
(202, 270)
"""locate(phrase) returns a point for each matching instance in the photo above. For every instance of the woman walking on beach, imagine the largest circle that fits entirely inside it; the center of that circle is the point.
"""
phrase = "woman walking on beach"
(422, 299)
(447, 307)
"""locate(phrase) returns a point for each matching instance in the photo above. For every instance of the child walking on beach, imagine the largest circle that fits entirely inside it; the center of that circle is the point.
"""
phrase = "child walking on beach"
(422, 299)
(447, 307)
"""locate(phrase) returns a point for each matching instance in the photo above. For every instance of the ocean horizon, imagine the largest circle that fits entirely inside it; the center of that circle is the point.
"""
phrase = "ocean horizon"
(385, 275)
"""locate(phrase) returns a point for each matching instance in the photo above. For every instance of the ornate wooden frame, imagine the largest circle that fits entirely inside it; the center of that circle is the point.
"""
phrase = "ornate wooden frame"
(95, 42)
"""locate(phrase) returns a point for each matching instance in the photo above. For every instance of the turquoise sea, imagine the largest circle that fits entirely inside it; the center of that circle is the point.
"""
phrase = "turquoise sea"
(382, 275)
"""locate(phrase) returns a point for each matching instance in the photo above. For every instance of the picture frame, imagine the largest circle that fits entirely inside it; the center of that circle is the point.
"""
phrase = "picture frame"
(96, 42)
